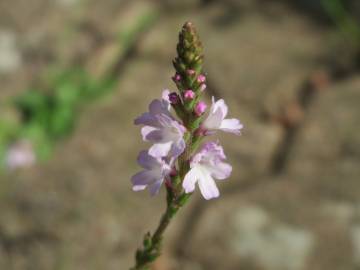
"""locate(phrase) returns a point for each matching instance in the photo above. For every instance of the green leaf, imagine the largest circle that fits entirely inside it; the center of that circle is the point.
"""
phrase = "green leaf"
(67, 94)
(42, 144)
(61, 121)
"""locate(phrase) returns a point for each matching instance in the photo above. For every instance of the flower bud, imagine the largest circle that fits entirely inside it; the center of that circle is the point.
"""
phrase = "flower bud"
(189, 94)
(200, 108)
(189, 59)
(191, 72)
(203, 87)
(201, 78)
(174, 98)
(176, 77)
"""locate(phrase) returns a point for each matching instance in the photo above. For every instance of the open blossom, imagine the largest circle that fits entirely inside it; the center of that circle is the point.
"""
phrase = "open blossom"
(162, 129)
(167, 137)
(206, 165)
(154, 173)
(216, 119)
(156, 107)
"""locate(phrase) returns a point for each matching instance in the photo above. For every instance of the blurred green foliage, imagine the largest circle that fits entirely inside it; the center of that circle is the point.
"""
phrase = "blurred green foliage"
(47, 116)
(347, 24)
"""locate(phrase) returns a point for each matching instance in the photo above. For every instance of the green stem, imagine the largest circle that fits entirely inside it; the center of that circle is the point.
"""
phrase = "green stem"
(175, 200)
(152, 244)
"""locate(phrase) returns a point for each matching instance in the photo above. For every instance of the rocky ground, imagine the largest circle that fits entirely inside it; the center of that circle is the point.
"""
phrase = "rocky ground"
(292, 201)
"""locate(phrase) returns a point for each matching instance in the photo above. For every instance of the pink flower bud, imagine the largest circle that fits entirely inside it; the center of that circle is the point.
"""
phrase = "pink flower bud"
(200, 108)
(176, 77)
(189, 94)
(202, 87)
(191, 72)
(174, 98)
(201, 78)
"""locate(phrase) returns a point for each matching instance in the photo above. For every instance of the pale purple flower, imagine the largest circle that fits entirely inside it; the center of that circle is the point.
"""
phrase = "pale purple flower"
(189, 94)
(156, 107)
(166, 136)
(162, 129)
(20, 155)
(154, 173)
(206, 165)
(216, 119)
(203, 87)
(200, 108)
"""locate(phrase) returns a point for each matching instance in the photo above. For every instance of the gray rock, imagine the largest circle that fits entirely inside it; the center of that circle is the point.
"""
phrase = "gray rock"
(355, 238)
(275, 246)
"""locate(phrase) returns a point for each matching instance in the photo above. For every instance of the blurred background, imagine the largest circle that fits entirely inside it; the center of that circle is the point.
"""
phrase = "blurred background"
(75, 73)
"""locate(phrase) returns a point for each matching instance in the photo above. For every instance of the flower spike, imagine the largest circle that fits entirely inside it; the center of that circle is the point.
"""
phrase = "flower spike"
(173, 157)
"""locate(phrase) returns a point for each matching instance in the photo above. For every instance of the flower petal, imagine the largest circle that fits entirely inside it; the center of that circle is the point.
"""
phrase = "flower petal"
(155, 135)
(138, 188)
(165, 96)
(145, 131)
(208, 187)
(178, 148)
(145, 119)
(146, 161)
(160, 149)
(220, 171)
(156, 107)
(142, 179)
(220, 105)
(165, 120)
(155, 187)
(190, 179)
(231, 125)
(216, 115)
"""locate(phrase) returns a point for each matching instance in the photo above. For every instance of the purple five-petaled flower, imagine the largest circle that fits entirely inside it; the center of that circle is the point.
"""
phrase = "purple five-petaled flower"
(162, 129)
(156, 170)
(216, 119)
(156, 107)
(206, 165)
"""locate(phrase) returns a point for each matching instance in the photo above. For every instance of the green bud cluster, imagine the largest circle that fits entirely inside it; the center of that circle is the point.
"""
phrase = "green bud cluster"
(188, 65)
(190, 51)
